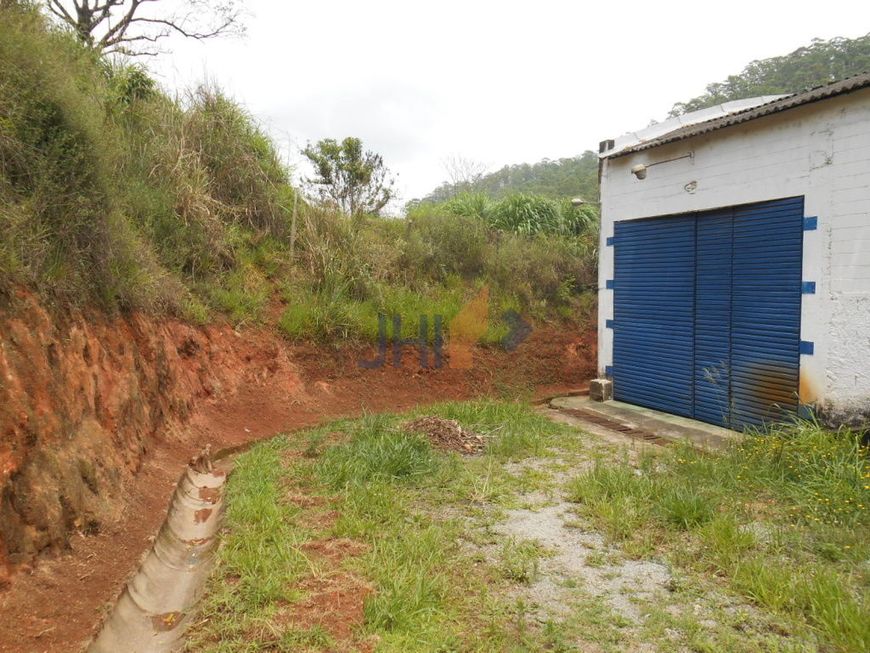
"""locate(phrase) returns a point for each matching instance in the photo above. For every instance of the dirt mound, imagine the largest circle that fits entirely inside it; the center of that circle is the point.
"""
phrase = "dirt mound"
(447, 434)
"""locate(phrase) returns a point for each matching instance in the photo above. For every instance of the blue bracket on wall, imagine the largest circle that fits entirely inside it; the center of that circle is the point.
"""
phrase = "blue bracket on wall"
(807, 347)
(609, 284)
(608, 324)
(608, 371)
(808, 288)
(811, 224)
(610, 240)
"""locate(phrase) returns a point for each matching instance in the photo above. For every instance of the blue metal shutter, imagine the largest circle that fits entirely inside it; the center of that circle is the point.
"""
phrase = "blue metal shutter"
(654, 287)
(713, 318)
(766, 311)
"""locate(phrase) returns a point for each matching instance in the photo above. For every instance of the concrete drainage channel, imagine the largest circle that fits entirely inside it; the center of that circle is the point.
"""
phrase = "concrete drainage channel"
(154, 610)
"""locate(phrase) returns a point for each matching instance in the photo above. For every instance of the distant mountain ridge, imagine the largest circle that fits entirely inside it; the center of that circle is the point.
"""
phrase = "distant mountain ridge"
(818, 63)
(553, 178)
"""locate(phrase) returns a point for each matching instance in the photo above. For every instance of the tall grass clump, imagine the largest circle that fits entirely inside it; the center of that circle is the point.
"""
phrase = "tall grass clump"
(527, 215)
(208, 187)
(378, 450)
(63, 226)
(471, 205)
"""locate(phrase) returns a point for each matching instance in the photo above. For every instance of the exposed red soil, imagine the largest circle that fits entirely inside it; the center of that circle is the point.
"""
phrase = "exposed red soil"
(157, 393)
(335, 549)
(334, 602)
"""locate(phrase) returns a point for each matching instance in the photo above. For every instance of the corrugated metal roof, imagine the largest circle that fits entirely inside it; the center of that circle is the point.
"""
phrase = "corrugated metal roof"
(661, 129)
(775, 106)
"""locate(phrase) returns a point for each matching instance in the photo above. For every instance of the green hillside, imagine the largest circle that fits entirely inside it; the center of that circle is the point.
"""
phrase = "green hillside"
(117, 195)
(552, 178)
(820, 62)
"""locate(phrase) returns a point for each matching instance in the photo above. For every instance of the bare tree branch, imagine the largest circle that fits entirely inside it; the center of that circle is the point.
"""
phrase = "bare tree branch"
(57, 8)
(462, 172)
(119, 25)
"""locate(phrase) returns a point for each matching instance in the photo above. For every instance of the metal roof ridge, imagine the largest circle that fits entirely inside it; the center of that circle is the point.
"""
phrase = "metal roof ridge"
(774, 105)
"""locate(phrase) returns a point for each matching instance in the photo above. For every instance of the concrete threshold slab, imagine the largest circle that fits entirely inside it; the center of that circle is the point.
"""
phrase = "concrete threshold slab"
(663, 425)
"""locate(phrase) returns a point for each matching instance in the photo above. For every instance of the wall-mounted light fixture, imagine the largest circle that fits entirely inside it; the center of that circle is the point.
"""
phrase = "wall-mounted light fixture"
(641, 169)
(579, 201)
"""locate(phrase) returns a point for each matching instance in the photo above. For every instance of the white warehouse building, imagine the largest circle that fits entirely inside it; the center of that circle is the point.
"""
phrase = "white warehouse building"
(734, 270)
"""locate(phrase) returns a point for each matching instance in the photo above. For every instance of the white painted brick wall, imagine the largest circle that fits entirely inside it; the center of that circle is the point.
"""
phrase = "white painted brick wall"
(820, 151)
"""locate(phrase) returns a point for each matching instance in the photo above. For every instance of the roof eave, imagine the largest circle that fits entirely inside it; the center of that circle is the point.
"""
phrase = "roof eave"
(793, 101)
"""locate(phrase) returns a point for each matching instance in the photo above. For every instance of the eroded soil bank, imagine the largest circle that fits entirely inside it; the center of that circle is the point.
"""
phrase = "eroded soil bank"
(99, 415)
(84, 399)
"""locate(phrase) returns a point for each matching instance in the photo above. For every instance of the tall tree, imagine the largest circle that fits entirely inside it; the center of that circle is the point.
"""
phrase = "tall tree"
(821, 62)
(348, 177)
(134, 27)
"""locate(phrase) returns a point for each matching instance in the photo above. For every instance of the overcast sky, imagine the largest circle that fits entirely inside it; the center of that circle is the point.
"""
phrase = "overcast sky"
(497, 82)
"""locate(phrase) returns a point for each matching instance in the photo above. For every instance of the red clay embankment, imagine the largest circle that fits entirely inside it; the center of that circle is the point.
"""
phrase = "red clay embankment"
(98, 416)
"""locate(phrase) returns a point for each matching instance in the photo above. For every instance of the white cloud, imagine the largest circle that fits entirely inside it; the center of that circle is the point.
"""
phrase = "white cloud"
(499, 82)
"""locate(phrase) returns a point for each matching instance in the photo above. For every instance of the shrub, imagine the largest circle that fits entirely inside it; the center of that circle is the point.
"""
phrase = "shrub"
(440, 244)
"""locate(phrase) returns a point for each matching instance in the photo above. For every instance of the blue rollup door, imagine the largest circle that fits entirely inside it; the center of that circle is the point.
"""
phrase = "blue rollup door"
(766, 311)
(713, 318)
(707, 313)
(653, 338)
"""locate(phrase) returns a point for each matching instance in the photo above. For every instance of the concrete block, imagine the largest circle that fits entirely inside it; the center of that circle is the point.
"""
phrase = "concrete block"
(601, 389)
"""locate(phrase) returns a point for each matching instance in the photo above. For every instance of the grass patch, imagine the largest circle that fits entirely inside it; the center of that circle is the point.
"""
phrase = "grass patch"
(783, 516)
(443, 577)
(242, 295)
(260, 558)
(386, 489)
(378, 450)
